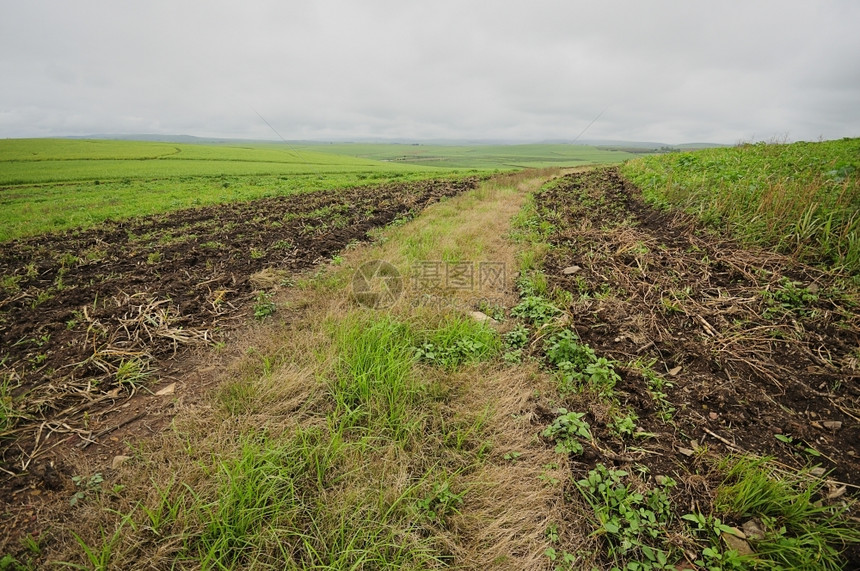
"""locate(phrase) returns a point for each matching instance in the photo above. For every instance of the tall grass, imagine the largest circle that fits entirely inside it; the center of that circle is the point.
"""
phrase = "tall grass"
(372, 385)
(799, 529)
(802, 199)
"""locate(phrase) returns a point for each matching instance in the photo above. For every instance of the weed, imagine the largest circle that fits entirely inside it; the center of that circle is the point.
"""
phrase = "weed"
(10, 283)
(85, 486)
(513, 357)
(535, 310)
(282, 245)
(132, 372)
(68, 260)
(41, 297)
(8, 414)
(99, 556)
(564, 351)
(31, 544)
(565, 431)
(494, 310)
(657, 386)
(440, 503)
(263, 305)
(517, 337)
(788, 297)
(624, 425)
(797, 444)
(714, 556)
(578, 365)
(460, 340)
(633, 523)
(153, 258)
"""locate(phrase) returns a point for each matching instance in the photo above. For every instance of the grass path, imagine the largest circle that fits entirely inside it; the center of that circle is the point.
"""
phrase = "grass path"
(327, 445)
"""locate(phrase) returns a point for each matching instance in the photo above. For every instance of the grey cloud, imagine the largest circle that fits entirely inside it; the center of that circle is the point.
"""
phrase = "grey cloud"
(670, 71)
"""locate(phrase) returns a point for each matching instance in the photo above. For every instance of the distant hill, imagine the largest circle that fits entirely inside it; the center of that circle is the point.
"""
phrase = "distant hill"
(608, 144)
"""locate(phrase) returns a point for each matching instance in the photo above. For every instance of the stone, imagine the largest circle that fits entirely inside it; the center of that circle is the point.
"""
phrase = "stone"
(736, 543)
(571, 270)
(481, 317)
(673, 372)
(119, 461)
(832, 424)
(168, 390)
(752, 529)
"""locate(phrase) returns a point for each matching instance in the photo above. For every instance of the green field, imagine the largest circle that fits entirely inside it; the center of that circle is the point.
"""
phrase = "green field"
(58, 184)
(802, 199)
(478, 156)
(55, 184)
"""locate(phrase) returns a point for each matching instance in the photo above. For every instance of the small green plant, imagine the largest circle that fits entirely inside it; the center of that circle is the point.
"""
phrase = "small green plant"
(8, 415)
(714, 556)
(263, 305)
(9, 563)
(459, 340)
(657, 386)
(624, 425)
(494, 310)
(536, 310)
(564, 351)
(579, 366)
(9, 283)
(564, 559)
(533, 283)
(68, 260)
(31, 544)
(512, 457)
(41, 297)
(798, 444)
(257, 253)
(789, 297)
(565, 431)
(85, 486)
(600, 376)
(517, 337)
(633, 522)
(515, 340)
(440, 503)
(132, 372)
(153, 258)
(513, 357)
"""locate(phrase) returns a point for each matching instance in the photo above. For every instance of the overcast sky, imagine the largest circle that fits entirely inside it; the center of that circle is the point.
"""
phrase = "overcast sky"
(667, 71)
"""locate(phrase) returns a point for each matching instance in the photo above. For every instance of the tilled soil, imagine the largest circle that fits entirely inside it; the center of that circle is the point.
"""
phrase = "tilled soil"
(761, 352)
(87, 317)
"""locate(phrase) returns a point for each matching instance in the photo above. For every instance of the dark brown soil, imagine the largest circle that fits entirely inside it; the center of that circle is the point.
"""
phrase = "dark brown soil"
(655, 286)
(95, 314)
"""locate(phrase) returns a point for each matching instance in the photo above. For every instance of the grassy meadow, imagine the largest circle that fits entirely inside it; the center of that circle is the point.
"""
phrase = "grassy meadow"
(802, 198)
